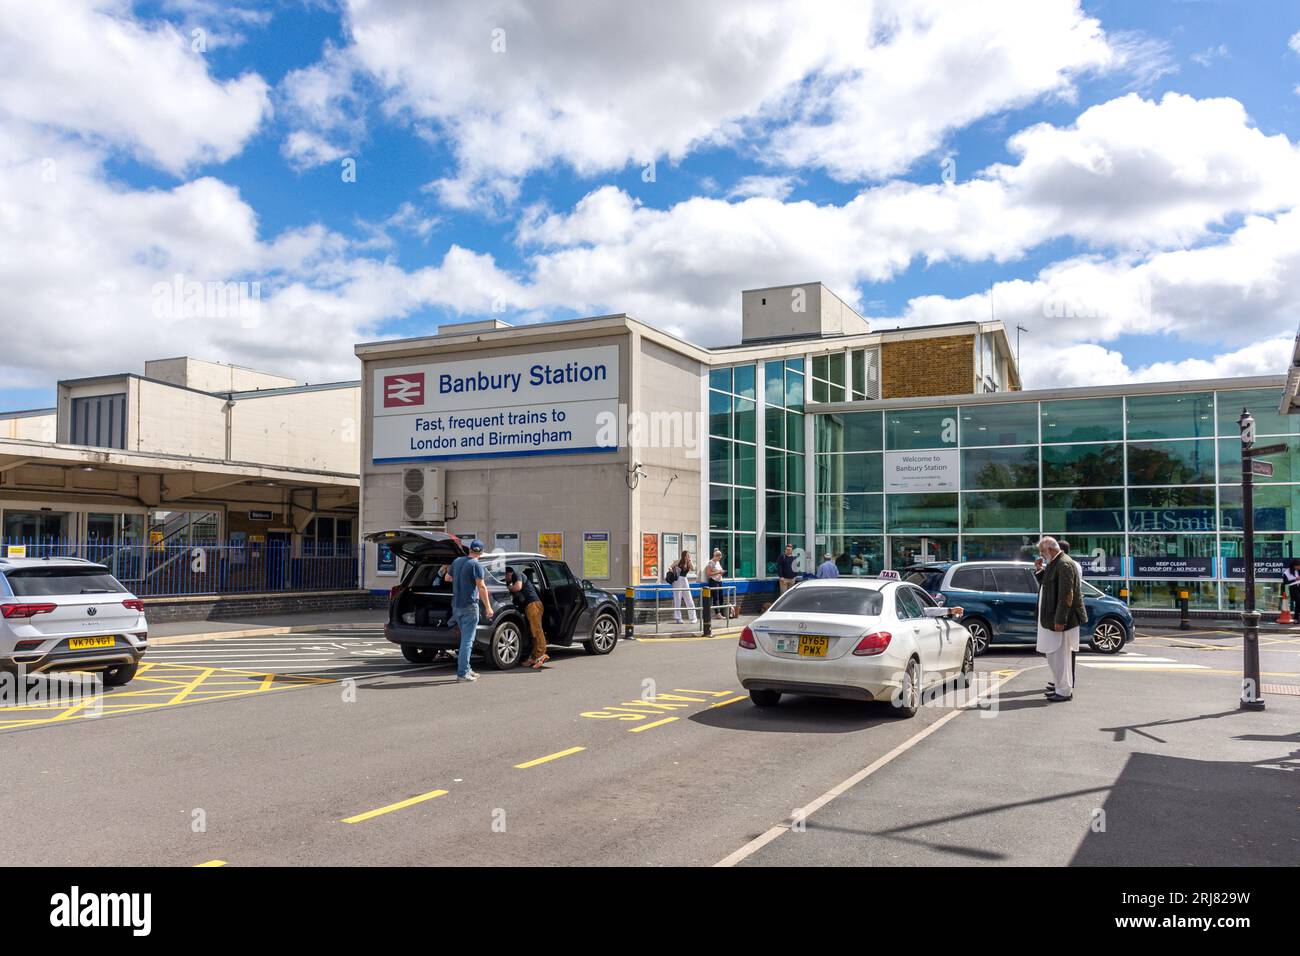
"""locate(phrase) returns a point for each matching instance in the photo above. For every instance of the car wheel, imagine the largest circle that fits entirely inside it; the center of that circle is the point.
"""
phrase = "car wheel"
(908, 700)
(604, 635)
(1107, 636)
(506, 646)
(120, 674)
(419, 655)
(765, 698)
(967, 666)
(980, 634)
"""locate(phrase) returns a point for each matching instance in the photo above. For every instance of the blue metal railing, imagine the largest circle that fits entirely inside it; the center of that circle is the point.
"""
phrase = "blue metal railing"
(199, 567)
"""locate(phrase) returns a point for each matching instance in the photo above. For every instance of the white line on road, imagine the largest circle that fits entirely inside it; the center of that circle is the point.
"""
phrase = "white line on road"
(756, 844)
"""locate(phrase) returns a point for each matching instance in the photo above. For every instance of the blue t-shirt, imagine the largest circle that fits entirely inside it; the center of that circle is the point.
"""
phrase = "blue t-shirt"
(828, 570)
(466, 572)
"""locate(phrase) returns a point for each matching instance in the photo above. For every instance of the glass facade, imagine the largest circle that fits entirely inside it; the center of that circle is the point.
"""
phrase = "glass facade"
(1145, 487)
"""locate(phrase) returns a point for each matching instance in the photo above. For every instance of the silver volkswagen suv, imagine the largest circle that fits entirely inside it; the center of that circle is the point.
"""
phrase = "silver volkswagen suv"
(69, 614)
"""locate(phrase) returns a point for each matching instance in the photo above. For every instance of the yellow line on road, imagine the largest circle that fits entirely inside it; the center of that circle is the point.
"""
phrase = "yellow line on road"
(401, 804)
(549, 757)
(193, 685)
(708, 693)
(267, 681)
(211, 863)
(657, 723)
(724, 703)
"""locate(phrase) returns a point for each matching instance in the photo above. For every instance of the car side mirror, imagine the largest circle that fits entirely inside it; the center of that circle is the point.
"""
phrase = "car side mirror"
(939, 599)
(587, 585)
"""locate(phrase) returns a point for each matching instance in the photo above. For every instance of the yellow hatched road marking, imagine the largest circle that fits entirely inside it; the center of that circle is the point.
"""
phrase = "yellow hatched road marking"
(401, 804)
(183, 683)
(707, 693)
(211, 863)
(657, 723)
(548, 758)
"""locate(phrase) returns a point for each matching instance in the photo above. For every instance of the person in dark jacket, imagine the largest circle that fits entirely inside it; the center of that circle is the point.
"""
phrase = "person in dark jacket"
(1060, 613)
(785, 571)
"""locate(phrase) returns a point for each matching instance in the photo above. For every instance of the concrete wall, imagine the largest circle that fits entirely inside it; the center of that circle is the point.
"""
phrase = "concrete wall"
(319, 429)
(176, 421)
(212, 376)
(39, 425)
(769, 313)
(668, 385)
(568, 493)
(916, 368)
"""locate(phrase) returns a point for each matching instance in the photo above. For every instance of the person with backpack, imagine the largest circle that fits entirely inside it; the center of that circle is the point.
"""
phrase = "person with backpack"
(679, 577)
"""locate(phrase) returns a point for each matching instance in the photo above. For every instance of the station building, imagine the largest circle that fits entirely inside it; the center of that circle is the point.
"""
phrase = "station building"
(138, 469)
(615, 445)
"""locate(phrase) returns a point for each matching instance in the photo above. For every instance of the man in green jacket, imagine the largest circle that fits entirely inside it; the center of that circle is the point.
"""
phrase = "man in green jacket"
(1060, 612)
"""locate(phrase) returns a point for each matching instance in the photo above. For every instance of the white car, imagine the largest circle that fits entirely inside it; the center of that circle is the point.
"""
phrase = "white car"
(856, 638)
(60, 614)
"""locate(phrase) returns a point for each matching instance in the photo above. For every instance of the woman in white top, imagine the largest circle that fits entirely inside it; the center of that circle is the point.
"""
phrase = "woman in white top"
(683, 569)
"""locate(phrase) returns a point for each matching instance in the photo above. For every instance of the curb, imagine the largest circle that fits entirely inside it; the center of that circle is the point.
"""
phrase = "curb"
(257, 632)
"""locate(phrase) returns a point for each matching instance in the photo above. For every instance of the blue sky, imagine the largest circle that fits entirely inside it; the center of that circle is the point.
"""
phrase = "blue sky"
(1137, 160)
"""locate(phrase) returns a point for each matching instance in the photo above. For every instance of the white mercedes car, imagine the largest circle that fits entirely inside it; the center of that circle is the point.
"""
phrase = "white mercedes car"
(857, 638)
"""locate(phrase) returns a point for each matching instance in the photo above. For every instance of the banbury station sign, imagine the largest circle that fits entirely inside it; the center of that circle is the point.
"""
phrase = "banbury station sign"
(534, 404)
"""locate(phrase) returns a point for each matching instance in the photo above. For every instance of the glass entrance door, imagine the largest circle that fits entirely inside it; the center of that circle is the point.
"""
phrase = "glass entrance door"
(919, 549)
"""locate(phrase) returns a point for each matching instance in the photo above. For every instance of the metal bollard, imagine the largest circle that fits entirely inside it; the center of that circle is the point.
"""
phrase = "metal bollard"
(706, 603)
(629, 609)
(1123, 595)
(1183, 623)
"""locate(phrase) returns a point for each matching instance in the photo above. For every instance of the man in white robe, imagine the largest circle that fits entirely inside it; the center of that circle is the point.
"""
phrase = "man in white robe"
(1060, 612)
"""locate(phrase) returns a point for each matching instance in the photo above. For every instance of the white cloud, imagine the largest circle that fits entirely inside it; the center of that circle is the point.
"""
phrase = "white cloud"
(1294, 42)
(86, 68)
(325, 109)
(518, 88)
(768, 187)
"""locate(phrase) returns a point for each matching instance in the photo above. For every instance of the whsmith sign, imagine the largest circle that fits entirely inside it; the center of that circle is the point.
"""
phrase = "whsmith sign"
(537, 404)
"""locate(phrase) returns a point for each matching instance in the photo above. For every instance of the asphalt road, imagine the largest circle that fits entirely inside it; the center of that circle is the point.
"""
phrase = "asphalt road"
(327, 749)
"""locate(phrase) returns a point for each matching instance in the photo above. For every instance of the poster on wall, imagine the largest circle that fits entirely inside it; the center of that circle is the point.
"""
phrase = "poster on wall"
(912, 471)
(558, 402)
(386, 562)
(595, 555)
(506, 541)
(649, 557)
(551, 544)
(691, 543)
(672, 548)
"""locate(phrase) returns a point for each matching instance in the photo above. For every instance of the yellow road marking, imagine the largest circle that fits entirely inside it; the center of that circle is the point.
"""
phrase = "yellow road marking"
(707, 693)
(194, 684)
(549, 757)
(211, 863)
(360, 817)
(724, 703)
(657, 723)
(163, 685)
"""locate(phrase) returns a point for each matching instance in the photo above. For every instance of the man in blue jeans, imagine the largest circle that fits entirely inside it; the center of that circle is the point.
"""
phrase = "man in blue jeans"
(467, 589)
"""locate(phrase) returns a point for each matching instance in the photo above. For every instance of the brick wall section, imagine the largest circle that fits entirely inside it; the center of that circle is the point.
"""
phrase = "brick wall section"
(925, 367)
(239, 607)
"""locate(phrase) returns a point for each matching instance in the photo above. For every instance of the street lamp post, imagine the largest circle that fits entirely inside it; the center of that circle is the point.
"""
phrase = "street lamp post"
(1251, 696)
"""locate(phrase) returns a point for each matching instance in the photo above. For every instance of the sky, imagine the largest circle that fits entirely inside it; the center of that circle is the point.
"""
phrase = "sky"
(270, 183)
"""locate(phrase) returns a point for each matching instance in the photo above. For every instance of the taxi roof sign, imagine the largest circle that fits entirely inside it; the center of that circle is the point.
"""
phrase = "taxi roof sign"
(889, 576)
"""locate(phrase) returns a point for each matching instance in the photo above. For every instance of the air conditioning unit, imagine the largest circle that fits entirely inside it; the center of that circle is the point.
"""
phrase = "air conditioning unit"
(423, 491)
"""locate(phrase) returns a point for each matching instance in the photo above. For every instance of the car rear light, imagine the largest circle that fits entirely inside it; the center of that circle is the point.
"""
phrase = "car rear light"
(133, 604)
(28, 645)
(25, 610)
(872, 644)
(747, 639)
(395, 590)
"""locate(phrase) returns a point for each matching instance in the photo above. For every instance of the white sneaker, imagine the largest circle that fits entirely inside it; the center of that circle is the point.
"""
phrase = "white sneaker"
(468, 678)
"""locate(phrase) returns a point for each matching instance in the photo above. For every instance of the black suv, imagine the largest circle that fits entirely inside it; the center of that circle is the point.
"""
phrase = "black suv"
(419, 608)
